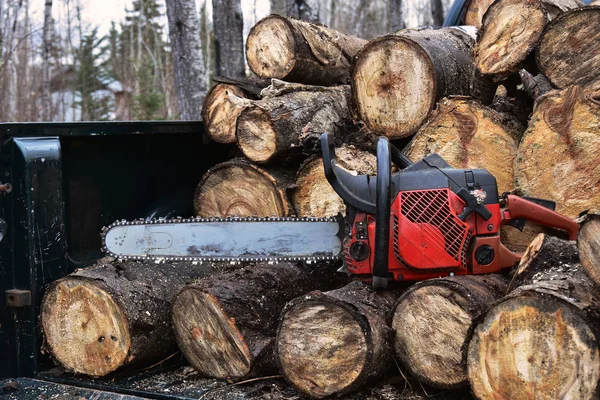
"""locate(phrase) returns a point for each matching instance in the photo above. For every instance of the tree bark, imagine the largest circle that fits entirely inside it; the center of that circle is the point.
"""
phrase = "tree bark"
(540, 341)
(313, 195)
(114, 314)
(290, 117)
(588, 244)
(298, 51)
(437, 12)
(558, 158)
(239, 188)
(335, 342)
(395, 15)
(47, 43)
(397, 79)
(432, 322)
(536, 86)
(228, 25)
(222, 106)
(188, 63)
(569, 50)
(510, 32)
(469, 135)
(306, 10)
(225, 324)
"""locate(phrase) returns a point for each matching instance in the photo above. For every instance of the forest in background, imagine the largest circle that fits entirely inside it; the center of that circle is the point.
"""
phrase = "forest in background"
(64, 69)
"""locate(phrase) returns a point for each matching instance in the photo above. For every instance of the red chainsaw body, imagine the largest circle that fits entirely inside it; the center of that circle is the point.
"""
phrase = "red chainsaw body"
(427, 239)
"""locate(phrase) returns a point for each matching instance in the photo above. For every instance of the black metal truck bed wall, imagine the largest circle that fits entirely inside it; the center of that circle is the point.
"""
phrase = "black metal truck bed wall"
(68, 181)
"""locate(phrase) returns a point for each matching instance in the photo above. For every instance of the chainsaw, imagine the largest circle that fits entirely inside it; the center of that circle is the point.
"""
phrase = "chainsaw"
(424, 221)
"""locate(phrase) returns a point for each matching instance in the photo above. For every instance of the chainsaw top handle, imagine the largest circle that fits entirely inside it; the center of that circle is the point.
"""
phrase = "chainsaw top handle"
(371, 195)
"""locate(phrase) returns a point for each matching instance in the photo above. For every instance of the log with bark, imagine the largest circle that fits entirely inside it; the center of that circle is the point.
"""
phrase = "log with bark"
(558, 158)
(588, 244)
(225, 324)
(314, 196)
(300, 51)
(291, 117)
(240, 188)
(332, 343)
(511, 30)
(114, 314)
(541, 341)
(432, 322)
(569, 50)
(397, 79)
(470, 135)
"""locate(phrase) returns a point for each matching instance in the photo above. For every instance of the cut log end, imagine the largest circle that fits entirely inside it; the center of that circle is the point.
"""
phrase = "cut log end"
(238, 188)
(256, 137)
(85, 329)
(558, 158)
(394, 86)
(314, 195)
(271, 48)
(418, 345)
(220, 113)
(311, 330)
(511, 29)
(215, 347)
(569, 50)
(469, 135)
(536, 347)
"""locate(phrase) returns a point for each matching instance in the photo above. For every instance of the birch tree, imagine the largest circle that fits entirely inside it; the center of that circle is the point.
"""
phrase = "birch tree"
(188, 64)
(47, 42)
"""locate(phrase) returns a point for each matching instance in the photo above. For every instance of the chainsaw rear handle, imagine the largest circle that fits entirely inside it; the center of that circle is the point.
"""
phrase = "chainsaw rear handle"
(357, 192)
(516, 207)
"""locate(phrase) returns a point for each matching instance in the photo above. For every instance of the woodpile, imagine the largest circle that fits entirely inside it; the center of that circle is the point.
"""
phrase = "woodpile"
(520, 97)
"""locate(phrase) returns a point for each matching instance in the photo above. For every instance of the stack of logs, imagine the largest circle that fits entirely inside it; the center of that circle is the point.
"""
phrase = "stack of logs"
(515, 91)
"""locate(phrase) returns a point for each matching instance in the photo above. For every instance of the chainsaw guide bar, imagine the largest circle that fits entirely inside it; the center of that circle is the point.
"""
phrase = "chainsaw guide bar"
(231, 239)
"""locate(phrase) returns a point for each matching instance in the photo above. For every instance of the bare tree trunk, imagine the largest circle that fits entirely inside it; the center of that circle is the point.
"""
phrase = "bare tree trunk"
(188, 63)
(437, 12)
(307, 10)
(228, 25)
(46, 100)
(395, 15)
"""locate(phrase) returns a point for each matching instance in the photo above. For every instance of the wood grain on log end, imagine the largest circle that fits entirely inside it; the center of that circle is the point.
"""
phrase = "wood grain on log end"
(431, 323)
(394, 86)
(511, 30)
(85, 329)
(259, 140)
(311, 331)
(569, 50)
(217, 347)
(220, 112)
(270, 48)
(469, 135)
(533, 347)
(239, 188)
(558, 158)
(588, 243)
(541, 340)
(333, 343)
(314, 196)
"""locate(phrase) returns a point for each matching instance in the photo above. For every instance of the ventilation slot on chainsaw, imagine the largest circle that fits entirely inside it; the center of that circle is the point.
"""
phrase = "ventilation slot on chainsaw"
(432, 207)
